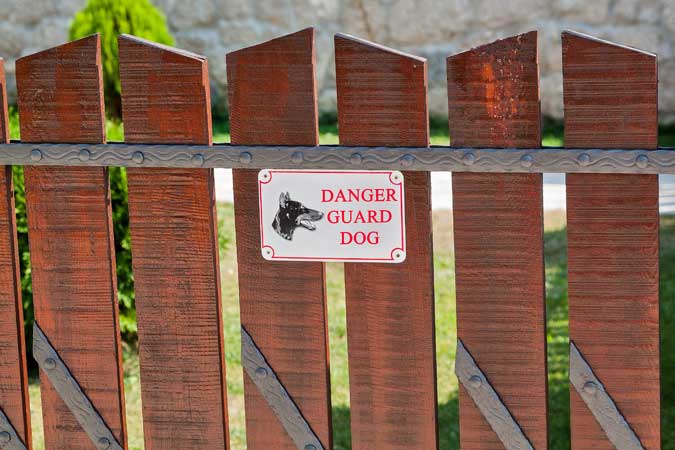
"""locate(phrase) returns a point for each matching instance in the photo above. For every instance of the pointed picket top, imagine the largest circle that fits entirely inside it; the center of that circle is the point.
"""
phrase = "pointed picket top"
(381, 94)
(571, 34)
(493, 94)
(4, 115)
(60, 93)
(157, 79)
(272, 91)
(156, 45)
(610, 94)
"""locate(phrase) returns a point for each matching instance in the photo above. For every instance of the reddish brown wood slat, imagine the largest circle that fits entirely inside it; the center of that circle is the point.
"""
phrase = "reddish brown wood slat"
(493, 101)
(60, 98)
(172, 212)
(13, 373)
(390, 307)
(610, 95)
(272, 95)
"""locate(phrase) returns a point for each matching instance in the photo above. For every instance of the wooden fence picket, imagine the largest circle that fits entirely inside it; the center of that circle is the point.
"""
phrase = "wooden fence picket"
(14, 403)
(60, 97)
(382, 101)
(610, 96)
(493, 101)
(272, 95)
(172, 213)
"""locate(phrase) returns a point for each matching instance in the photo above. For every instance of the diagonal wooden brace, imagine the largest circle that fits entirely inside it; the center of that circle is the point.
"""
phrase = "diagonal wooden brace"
(488, 402)
(71, 393)
(599, 402)
(9, 438)
(276, 395)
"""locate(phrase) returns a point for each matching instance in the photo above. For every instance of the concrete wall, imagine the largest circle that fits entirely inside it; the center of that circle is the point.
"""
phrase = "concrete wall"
(430, 28)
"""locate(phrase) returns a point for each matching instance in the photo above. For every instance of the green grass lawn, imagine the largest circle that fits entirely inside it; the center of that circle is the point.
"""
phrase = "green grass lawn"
(557, 337)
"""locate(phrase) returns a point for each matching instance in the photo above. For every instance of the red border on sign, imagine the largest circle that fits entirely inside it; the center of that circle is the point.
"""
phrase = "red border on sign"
(312, 258)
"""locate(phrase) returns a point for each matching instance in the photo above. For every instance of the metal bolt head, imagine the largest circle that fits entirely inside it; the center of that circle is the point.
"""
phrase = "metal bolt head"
(5, 437)
(84, 155)
(50, 364)
(475, 381)
(356, 159)
(310, 447)
(584, 159)
(590, 387)
(526, 160)
(245, 157)
(35, 155)
(104, 443)
(261, 372)
(137, 157)
(297, 157)
(642, 161)
(198, 160)
(469, 159)
(407, 160)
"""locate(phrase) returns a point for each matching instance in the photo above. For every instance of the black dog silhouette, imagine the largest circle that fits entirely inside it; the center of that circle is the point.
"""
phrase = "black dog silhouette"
(292, 215)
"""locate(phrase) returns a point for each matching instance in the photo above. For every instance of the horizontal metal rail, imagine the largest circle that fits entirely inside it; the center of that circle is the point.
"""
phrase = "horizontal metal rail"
(325, 157)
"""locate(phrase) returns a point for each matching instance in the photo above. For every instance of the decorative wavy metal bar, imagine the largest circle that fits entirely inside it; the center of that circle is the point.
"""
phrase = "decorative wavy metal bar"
(343, 158)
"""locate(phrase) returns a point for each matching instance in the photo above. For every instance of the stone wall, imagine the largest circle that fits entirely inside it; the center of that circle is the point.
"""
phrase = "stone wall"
(430, 28)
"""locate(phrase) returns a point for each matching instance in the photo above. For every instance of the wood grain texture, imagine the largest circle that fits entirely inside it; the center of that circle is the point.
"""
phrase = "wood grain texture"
(13, 373)
(272, 94)
(172, 213)
(381, 97)
(493, 101)
(610, 95)
(60, 98)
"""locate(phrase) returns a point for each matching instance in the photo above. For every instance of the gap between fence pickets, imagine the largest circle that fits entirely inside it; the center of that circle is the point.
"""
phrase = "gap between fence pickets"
(435, 158)
(488, 402)
(9, 438)
(71, 393)
(276, 396)
(599, 402)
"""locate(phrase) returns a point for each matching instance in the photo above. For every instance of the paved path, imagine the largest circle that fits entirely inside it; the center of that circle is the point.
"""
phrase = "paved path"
(441, 182)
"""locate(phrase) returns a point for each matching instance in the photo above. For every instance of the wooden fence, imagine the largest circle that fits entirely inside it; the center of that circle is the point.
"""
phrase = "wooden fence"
(612, 161)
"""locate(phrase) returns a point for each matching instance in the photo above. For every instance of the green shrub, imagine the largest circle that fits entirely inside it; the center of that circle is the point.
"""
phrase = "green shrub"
(111, 18)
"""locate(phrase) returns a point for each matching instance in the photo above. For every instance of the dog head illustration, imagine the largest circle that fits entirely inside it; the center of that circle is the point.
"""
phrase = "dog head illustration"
(291, 215)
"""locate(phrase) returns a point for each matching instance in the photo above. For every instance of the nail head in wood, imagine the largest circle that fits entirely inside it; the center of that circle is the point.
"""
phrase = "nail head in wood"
(138, 157)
